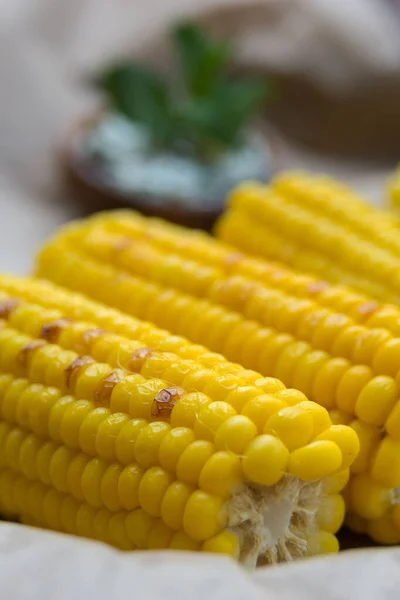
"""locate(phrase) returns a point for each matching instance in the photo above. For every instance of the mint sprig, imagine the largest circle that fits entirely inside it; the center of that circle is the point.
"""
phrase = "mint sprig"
(206, 112)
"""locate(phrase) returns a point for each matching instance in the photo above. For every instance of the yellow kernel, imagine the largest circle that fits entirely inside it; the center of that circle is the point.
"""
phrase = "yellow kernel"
(186, 410)
(147, 445)
(221, 474)
(347, 440)
(337, 482)
(118, 531)
(69, 511)
(89, 379)
(152, 488)
(40, 408)
(368, 436)
(306, 370)
(143, 395)
(192, 460)
(122, 393)
(128, 486)
(51, 368)
(326, 381)
(330, 327)
(291, 396)
(13, 447)
(195, 382)
(331, 512)
(367, 345)
(72, 420)
(172, 446)
(52, 510)
(225, 542)
(382, 530)
(238, 397)
(270, 352)
(269, 385)
(126, 440)
(43, 459)
(173, 504)
(328, 542)
(319, 414)
(210, 418)
(84, 521)
(385, 467)
(356, 523)
(392, 424)
(28, 455)
(369, 499)
(350, 386)
(387, 358)
(219, 387)
(10, 398)
(315, 461)
(75, 474)
(59, 466)
(292, 425)
(107, 434)
(265, 460)
(89, 427)
(338, 417)
(109, 488)
(101, 525)
(235, 434)
(204, 516)
(138, 525)
(56, 416)
(261, 408)
(288, 360)
(160, 536)
(181, 541)
(367, 407)
(91, 481)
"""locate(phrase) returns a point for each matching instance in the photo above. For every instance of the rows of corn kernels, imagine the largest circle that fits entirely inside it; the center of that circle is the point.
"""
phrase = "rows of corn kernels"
(204, 397)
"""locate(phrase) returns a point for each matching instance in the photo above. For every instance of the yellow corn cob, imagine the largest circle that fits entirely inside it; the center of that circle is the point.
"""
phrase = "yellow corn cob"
(105, 437)
(319, 226)
(340, 365)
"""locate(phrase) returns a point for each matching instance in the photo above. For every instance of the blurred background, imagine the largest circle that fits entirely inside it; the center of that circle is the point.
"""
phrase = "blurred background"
(336, 66)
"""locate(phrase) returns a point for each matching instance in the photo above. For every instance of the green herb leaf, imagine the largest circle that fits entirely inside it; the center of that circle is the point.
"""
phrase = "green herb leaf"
(202, 59)
(142, 96)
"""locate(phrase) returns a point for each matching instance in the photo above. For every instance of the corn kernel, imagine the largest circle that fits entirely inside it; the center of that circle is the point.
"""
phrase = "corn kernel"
(315, 461)
(265, 460)
(369, 499)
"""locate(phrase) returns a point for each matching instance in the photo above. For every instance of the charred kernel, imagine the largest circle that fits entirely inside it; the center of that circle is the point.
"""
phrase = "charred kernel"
(103, 391)
(72, 371)
(26, 352)
(138, 359)
(165, 401)
(7, 306)
(51, 331)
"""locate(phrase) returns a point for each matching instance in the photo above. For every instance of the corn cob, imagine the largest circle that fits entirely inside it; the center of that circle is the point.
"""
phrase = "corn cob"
(319, 226)
(340, 365)
(103, 437)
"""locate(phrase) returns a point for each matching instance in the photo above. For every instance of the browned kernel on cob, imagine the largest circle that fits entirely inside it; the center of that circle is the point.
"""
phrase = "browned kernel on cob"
(327, 365)
(160, 451)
